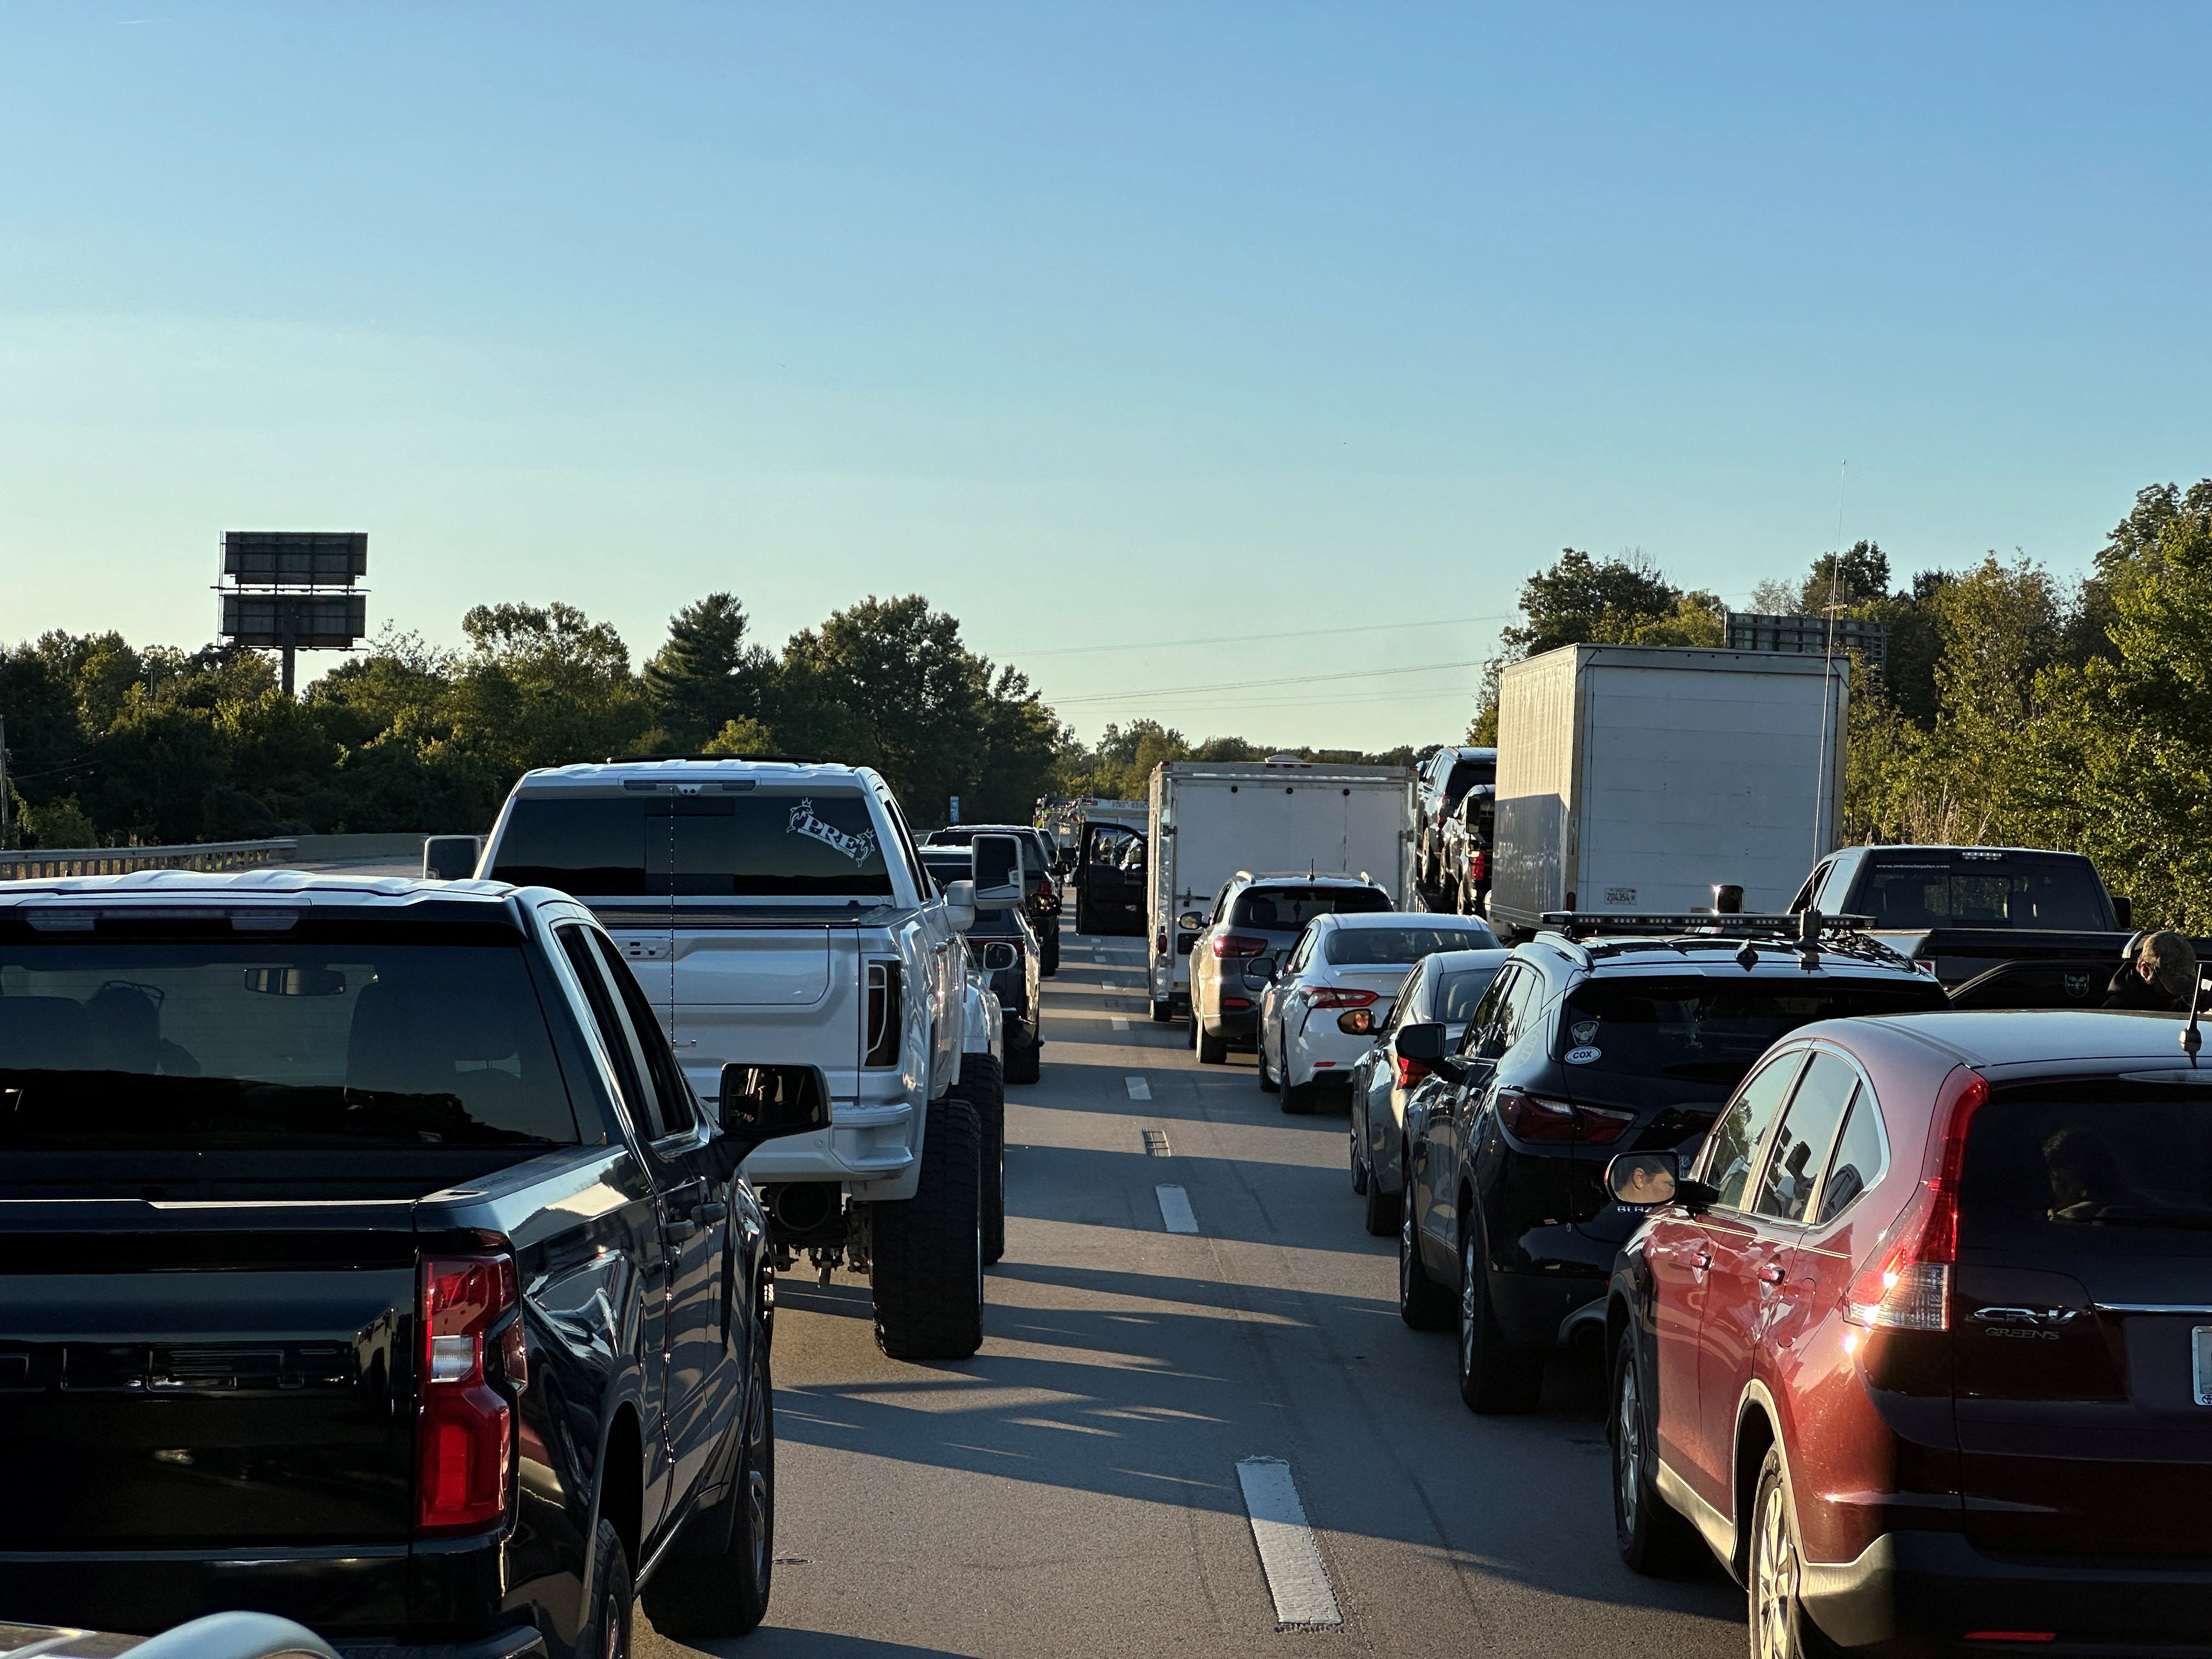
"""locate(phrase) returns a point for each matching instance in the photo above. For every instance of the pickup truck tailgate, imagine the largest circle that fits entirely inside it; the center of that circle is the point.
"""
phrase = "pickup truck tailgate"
(204, 1374)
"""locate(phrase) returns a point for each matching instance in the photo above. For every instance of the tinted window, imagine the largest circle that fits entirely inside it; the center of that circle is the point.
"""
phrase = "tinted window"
(671, 1095)
(1489, 1012)
(362, 1039)
(1710, 1030)
(1456, 999)
(770, 843)
(2099, 1165)
(1800, 1145)
(1466, 775)
(1735, 1143)
(1857, 1163)
(2008, 892)
(1389, 947)
(1287, 909)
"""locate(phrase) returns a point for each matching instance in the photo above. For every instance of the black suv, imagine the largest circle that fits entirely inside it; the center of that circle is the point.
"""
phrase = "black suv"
(1037, 879)
(1584, 1047)
(1015, 988)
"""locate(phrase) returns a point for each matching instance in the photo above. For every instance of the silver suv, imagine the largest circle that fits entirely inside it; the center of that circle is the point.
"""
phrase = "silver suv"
(778, 912)
(1254, 920)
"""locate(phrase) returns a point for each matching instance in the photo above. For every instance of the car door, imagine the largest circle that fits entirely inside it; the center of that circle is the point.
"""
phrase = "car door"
(1698, 1262)
(702, 1376)
(1447, 1130)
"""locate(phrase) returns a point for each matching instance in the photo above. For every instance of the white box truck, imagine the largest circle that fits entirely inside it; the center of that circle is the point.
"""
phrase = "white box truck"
(1638, 777)
(1209, 819)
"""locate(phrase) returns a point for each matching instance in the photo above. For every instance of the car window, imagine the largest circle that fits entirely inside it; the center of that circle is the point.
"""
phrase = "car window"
(1802, 1143)
(2015, 893)
(1456, 999)
(346, 1037)
(2092, 1168)
(1387, 947)
(1700, 1029)
(907, 851)
(1285, 909)
(1834, 887)
(1732, 1149)
(1522, 1007)
(671, 1094)
(1861, 1153)
(785, 842)
(1486, 1013)
(1811, 886)
(1301, 953)
(1409, 997)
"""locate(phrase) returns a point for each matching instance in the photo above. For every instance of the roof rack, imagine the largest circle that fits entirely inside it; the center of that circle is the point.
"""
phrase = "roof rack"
(794, 759)
(1803, 926)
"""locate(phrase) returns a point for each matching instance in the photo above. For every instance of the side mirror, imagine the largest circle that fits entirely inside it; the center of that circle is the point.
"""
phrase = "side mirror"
(2124, 910)
(997, 862)
(451, 858)
(1638, 1181)
(1425, 1044)
(1190, 922)
(766, 1102)
(999, 956)
(1357, 1022)
(960, 905)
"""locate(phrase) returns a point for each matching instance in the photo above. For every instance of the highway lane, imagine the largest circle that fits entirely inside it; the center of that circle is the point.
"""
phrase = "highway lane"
(1075, 1488)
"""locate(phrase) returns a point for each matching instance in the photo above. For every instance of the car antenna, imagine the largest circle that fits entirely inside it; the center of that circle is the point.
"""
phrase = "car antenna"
(2191, 1038)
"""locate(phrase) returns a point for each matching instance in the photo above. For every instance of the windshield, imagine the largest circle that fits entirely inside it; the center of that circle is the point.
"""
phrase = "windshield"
(1710, 1030)
(1396, 947)
(2014, 892)
(369, 1043)
(1288, 909)
(2091, 1164)
(770, 843)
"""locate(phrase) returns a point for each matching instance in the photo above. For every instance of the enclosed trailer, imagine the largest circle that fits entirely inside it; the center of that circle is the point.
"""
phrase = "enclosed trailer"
(1639, 778)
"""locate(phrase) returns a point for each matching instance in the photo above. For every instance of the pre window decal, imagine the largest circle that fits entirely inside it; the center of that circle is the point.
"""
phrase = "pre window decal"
(859, 848)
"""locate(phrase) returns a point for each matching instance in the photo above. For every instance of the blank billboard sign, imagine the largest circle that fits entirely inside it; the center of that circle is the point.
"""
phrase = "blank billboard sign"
(326, 622)
(295, 558)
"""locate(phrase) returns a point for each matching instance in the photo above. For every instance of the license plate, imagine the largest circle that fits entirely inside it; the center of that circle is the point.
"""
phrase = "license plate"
(2200, 1349)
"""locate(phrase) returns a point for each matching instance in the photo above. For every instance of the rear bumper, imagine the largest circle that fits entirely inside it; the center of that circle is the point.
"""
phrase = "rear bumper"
(1913, 1593)
(1533, 1310)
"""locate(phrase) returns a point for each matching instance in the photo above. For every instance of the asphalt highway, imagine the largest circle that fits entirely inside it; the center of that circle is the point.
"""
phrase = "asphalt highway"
(1088, 1484)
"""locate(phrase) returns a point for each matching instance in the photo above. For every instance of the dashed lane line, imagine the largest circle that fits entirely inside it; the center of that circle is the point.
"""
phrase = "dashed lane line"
(1296, 1576)
(1139, 1089)
(1175, 1214)
(1120, 1024)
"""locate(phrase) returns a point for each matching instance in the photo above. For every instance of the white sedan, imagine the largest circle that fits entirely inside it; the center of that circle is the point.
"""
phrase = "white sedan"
(1318, 1014)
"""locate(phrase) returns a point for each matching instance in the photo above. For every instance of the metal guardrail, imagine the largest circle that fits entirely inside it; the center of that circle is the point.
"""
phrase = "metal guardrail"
(120, 860)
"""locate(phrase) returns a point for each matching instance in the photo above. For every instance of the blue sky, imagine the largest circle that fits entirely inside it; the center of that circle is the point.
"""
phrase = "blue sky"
(1101, 325)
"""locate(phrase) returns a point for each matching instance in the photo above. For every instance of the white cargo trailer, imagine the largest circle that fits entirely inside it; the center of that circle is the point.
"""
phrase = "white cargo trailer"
(1210, 819)
(1638, 777)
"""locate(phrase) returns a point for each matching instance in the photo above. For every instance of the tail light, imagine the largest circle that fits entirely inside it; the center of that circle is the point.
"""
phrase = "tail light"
(886, 1013)
(1338, 996)
(1160, 943)
(463, 1428)
(1535, 1117)
(1478, 865)
(1237, 944)
(1906, 1284)
(1410, 1072)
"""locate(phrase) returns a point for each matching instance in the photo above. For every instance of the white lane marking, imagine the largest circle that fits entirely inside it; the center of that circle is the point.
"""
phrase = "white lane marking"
(1120, 1024)
(1107, 985)
(1174, 1210)
(1139, 1089)
(1297, 1577)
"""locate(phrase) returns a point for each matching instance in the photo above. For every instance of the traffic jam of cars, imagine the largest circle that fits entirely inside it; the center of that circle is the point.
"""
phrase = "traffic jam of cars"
(398, 1258)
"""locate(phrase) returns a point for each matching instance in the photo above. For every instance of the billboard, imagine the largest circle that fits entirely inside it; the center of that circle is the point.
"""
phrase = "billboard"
(317, 622)
(295, 558)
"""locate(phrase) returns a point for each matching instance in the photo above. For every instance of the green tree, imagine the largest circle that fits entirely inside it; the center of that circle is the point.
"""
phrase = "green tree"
(707, 674)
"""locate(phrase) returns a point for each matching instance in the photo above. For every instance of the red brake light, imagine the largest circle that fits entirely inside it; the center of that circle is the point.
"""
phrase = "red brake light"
(1410, 1072)
(1533, 1117)
(1906, 1283)
(1478, 865)
(1237, 944)
(464, 1426)
(1160, 943)
(1338, 996)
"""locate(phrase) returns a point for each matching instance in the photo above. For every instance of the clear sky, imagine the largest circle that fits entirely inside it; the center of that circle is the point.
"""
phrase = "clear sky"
(1266, 324)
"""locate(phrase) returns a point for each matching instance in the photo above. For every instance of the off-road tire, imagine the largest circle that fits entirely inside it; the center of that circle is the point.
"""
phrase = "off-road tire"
(1213, 1046)
(1422, 1303)
(1495, 1380)
(1024, 1061)
(928, 1260)
(614, 1599)
(724, 1591)
(1655, 1539)
(983, 1085)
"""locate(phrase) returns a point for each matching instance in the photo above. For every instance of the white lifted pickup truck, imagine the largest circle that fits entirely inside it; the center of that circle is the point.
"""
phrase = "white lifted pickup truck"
(776, 912)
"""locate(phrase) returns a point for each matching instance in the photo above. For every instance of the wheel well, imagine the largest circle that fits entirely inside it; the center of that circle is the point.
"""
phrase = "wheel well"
(622, 1483)
(1616, 1322)
(1754, 1434)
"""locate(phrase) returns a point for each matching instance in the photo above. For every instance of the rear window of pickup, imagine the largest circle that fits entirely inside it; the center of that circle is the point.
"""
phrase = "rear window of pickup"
(774, 843)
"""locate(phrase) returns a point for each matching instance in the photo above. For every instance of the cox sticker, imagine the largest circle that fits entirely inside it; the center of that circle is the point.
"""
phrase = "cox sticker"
(1583, 1056)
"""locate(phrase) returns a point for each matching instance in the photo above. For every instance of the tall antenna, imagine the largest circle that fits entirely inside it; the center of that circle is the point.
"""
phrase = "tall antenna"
(1820, 848)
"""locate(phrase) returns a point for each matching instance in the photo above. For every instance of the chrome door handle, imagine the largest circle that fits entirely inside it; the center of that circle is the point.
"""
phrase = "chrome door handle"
(1770, 1275)
(1703, 1259)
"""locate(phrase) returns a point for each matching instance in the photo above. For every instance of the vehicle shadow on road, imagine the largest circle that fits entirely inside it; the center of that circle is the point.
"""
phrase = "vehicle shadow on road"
(768, 1642)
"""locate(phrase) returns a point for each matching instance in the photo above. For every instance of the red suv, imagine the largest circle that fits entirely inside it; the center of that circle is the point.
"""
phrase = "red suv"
(1921, 1341)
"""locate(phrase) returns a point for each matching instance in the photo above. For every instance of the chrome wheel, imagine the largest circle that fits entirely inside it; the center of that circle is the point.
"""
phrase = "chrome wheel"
(1628, 1450)
(1470, 1309)
(759, 1501)
(1774, 1579)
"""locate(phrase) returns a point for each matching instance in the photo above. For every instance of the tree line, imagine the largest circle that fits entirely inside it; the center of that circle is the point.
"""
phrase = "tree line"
(2015, 707)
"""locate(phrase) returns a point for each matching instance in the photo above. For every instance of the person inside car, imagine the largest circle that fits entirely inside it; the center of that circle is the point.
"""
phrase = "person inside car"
(2160, 979)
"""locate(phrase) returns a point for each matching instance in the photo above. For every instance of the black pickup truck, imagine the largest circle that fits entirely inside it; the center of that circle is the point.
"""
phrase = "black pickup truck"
(365, 1259)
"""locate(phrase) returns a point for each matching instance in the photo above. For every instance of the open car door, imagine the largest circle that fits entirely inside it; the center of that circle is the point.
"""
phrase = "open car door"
(1109, 880)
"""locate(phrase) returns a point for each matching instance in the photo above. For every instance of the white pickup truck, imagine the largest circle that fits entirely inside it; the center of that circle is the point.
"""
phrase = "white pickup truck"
(778, 912)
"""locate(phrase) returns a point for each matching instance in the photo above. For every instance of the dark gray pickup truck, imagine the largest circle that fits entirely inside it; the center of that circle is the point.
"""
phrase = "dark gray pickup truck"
(366, 1259)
